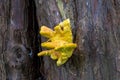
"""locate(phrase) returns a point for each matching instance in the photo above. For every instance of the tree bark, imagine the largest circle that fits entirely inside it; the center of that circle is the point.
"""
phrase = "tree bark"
(95, 27)
(96, 30)
(18, 40)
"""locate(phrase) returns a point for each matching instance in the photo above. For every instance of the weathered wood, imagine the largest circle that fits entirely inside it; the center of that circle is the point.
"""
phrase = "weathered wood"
(96, 30)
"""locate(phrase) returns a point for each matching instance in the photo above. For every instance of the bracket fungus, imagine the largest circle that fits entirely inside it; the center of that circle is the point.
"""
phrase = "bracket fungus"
(60, 42)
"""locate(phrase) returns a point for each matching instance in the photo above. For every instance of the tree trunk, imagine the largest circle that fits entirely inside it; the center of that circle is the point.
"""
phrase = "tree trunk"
(95, 27)
(18, 40)
(96, 30)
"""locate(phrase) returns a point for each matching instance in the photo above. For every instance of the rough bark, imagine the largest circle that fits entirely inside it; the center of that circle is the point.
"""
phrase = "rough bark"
(96, 30)
(18, 40)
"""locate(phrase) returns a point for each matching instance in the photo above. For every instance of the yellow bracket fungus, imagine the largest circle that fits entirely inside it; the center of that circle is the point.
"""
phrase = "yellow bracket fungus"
(60, 42)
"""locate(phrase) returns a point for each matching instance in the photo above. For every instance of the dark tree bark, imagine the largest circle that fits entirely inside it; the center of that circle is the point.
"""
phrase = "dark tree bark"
(18, 40)
(95, 27)
(96, 30)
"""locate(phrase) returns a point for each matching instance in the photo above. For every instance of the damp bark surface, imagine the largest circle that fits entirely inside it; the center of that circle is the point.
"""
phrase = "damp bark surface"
(96, 31)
